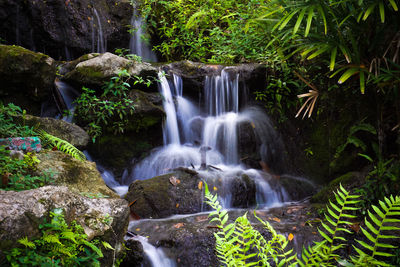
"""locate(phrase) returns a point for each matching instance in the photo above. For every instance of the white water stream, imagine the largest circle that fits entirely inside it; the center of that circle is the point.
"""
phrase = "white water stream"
(213, 127)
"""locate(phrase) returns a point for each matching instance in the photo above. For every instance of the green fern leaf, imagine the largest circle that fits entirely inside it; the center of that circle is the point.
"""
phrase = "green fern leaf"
(24, 241)
(62, 145)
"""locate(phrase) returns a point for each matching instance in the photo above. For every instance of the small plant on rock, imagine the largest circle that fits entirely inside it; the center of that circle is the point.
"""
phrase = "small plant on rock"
(60, 245)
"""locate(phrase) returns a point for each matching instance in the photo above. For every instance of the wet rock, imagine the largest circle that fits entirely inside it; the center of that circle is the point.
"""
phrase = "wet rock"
(65, 29)
(158, 197)
(79, 176)
(135, 254)
(21, 213)
(181, 192)
(26, 77)
(297, 188)
(349, 181)
(70, 132)
(95, 71)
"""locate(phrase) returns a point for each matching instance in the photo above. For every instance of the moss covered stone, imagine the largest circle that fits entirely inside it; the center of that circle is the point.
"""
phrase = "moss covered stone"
(26, 77)
(349, 181)
(79, 176)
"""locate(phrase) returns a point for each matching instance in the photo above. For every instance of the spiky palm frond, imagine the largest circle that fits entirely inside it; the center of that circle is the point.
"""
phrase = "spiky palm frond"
(62, 145)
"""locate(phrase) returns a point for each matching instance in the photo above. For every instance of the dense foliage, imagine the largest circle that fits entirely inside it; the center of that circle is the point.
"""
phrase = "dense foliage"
(204, 30)
(239, 244)
(59, 245)
(110, 109)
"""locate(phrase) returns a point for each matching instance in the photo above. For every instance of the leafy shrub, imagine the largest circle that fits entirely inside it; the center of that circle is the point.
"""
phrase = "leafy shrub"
(238, 244)
(60, 245)
(17, 173)
(213, 31)
(9, 126)
(111, 109)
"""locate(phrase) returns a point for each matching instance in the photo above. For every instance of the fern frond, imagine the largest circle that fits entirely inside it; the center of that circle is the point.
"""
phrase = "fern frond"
(24, 241)
(62, 145)
(379, 227)
(49, 238)
(337, 218)
(94, 248)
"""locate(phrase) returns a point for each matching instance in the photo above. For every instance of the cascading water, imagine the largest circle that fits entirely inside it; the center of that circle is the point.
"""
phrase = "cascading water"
(155, 257)
(68, 95)
(188, 131)
(137, 43)
(99, 43)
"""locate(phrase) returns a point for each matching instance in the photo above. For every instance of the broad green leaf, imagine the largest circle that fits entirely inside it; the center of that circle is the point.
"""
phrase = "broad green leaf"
(369, 10)
(287, 19)
(394, 5)
(347, 74)
(309, 19)
(333, 58)
(299, 19)
(382, 11)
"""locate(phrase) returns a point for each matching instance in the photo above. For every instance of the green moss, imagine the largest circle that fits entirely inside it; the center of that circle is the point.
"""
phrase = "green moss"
(90, 72)
(18, 51)
(326, 192)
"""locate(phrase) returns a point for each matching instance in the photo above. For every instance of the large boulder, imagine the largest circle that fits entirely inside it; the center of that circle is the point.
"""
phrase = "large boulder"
(66, 29)
(70, 132)
(21, 213)
(26, 77)
(181, 192)
(95, 71)
(79, 176)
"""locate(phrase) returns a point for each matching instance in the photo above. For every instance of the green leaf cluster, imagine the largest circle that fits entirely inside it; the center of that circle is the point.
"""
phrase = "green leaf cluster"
(17, 174)
(59, 245)
(109, 110)
(207, 31)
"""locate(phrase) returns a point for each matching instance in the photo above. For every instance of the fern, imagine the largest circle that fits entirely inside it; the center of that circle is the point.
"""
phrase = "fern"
(337, 217)
(24, 241)
(379, 228)
(239, 244)
(62, 145)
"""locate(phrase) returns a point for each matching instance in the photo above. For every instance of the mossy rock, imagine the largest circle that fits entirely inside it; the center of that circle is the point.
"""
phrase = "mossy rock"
(79, 176)
(70, 132)
(95, 71)
(160, 197)
(26, 77)
(349, 181)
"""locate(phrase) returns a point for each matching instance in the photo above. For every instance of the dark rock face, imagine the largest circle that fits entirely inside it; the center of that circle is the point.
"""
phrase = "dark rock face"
(158, 197)
(26, 77)
(70, 132)
(181, 192)
(65, 29)
(22, 212)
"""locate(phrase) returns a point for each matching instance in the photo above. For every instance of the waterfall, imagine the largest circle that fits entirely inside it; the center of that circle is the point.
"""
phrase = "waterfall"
(213, 127)
(171, 131)
(98, 39)
(68, 94)
(137, 43)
